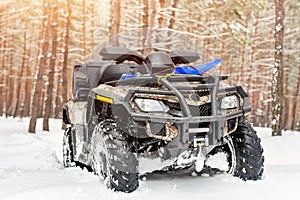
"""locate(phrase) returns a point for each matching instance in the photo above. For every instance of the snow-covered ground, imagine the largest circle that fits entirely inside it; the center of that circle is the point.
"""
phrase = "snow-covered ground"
(31, 168)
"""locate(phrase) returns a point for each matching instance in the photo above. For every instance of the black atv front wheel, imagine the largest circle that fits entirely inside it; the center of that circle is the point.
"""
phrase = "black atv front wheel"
(112, 157)
(68, 159)
(246, 158)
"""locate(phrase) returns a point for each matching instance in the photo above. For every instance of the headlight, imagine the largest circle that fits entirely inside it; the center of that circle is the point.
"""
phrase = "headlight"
(230, 102)
(151, 105)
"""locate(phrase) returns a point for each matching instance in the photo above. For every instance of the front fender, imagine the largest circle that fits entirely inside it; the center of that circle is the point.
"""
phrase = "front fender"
(66, 116)
(116, 97)
(108, 94)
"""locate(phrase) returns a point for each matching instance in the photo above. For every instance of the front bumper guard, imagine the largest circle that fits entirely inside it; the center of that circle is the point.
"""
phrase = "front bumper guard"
(182, 137)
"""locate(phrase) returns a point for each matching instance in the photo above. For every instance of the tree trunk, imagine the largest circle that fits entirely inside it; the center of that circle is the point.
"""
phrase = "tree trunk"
(58, 102)
(92, 29)
(171, 21)
(115, 18)
(28, 84)
(38, 85)
(49, 94)
(11, 89)
(287, 99)
(277, 82)
(58, 95)
(145, 30)
(160, 19)
(251, 83)
(172, 17)
(3, 78)
(295, 104)
(65, 76)
(19, 83)
(152, 14)
(83, 12)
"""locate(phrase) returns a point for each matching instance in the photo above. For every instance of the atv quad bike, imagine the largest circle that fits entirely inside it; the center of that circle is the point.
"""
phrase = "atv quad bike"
(129, 112)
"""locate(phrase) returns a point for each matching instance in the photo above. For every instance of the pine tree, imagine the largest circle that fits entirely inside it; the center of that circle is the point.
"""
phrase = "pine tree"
(49, 94)
(115, 19)
(38, 85)
(277, 83)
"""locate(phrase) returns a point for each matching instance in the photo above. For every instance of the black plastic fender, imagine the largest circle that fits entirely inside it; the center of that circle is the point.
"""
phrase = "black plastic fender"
(66, 117)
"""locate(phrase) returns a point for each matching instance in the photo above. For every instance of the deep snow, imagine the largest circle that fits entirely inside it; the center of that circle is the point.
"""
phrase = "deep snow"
(31, 168)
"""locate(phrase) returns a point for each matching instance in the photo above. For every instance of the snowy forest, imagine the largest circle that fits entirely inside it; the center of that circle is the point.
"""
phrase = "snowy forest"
(41, 41)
